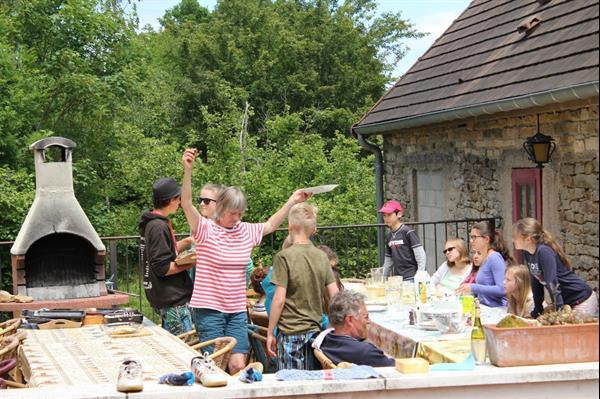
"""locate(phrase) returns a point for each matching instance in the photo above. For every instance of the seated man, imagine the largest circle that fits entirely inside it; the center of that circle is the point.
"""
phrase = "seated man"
(346, 342)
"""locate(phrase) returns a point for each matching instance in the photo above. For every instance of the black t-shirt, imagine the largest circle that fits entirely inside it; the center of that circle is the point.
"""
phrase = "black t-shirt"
(343, 348)
(548, 271)
(399, 246)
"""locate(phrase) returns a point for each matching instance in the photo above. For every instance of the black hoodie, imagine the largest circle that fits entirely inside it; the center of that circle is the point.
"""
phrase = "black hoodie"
(158, 249)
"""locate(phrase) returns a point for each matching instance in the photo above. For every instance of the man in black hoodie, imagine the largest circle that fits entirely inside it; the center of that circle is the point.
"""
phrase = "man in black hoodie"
(167, 285)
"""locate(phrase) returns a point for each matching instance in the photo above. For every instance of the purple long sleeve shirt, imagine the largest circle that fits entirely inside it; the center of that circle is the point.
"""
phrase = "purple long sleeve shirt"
(489, 283)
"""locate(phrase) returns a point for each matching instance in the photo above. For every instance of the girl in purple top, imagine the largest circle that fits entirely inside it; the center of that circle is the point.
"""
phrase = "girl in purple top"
(489, 283)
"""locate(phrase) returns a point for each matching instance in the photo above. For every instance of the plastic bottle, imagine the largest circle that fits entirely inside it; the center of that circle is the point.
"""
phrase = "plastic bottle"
(422, 286)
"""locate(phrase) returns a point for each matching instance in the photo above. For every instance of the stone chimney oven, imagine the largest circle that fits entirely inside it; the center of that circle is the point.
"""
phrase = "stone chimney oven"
(57, 253)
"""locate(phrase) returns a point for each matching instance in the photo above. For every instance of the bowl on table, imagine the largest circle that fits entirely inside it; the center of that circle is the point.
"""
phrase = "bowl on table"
(446, 316)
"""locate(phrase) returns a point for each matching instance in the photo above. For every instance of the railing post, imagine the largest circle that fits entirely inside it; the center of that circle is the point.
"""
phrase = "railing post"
(381, 241)
(112, 262)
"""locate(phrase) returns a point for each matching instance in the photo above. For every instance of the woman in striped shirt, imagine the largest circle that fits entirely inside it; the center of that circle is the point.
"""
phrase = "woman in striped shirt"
(223, 247)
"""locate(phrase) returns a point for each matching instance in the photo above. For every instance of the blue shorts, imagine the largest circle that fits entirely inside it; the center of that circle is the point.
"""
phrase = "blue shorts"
(211, 324)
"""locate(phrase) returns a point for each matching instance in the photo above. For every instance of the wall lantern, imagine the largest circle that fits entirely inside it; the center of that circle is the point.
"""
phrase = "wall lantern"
(539, 147)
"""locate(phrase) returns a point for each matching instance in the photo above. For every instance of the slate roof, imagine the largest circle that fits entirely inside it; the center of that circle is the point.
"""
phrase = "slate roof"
(483, 58)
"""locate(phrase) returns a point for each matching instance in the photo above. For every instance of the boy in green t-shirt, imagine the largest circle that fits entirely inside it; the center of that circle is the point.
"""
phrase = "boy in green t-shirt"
(302, 276)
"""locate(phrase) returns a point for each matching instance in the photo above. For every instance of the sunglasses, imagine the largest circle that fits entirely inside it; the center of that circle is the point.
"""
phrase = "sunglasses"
(448, 250)
(205, 201)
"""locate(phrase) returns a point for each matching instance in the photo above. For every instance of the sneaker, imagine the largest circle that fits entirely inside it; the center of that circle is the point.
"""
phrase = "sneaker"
(206, 372)
(130, 377)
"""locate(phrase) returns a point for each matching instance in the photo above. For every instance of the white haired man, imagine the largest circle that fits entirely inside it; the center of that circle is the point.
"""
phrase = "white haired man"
(346, 342)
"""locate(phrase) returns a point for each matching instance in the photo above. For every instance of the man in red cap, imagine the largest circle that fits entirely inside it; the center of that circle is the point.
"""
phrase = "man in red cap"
(404, 253)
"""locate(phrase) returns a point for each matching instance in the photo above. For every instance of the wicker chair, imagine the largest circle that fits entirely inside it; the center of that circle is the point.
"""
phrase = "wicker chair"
(326, 363)
(258, 318)
(221, 352)
(8, 356)
(8, 347)
(190, 337)
(257, 337)
(9, 327)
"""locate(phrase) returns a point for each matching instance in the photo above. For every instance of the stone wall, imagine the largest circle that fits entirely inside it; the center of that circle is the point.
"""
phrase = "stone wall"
(476, 157)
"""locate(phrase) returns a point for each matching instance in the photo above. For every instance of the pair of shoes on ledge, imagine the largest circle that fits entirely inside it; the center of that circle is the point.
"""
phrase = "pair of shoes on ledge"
(130, 377)
(206, 372)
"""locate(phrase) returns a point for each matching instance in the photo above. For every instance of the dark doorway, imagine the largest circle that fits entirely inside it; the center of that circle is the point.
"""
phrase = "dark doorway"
(526, 196)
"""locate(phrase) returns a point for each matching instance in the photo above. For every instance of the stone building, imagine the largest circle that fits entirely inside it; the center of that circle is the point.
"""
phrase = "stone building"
(454, 125)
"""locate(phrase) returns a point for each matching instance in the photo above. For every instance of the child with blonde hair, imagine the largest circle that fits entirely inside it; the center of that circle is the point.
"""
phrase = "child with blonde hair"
(517, 286)
(302, 276)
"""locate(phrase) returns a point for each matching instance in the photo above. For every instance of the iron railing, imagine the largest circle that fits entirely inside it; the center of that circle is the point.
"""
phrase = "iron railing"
(355, 245)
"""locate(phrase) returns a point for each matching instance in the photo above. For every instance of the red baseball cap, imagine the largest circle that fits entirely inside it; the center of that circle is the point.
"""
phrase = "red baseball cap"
(391, 206)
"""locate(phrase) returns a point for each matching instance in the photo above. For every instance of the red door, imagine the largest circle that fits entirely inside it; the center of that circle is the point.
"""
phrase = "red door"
(526, 196)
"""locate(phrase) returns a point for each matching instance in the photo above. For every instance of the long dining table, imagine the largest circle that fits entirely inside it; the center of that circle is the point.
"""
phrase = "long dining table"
(390, 330)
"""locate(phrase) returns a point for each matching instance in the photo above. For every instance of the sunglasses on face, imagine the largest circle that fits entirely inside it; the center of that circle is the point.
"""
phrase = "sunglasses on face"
(205, 201)
(448, 250)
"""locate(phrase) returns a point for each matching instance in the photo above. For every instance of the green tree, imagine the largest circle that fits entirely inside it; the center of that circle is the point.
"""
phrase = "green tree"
(267, 90)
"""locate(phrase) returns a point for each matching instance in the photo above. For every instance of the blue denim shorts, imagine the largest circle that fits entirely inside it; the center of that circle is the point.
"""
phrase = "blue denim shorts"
(211, 324)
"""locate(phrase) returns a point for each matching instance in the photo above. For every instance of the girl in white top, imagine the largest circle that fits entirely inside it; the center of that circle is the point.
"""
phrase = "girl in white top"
(455, 269)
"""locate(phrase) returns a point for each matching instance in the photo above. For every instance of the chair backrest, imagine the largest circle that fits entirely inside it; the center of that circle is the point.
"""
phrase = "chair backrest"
(190, 337)
(326, 363)
(9, 327)
(221, 352)
(8, 347)
(258, 348)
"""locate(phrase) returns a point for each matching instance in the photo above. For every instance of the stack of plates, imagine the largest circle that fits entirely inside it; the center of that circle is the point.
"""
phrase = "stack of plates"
(376, 308)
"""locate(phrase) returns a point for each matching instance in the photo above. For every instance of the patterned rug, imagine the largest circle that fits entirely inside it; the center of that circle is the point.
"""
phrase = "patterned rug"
(89, 355)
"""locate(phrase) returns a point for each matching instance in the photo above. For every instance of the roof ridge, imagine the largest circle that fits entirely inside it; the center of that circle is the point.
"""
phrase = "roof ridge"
(423, 58)
(491, 17)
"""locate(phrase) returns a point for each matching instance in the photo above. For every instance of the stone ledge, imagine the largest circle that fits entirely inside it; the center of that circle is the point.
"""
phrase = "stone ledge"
(487, 380)
(104, 301)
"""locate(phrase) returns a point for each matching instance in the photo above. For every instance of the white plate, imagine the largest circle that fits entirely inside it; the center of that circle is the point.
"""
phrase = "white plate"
(320, 189)
(375, 303)
(376, 308)
(428, 326)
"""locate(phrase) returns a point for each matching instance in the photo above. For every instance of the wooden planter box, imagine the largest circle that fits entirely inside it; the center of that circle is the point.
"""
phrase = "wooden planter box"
(542, 345)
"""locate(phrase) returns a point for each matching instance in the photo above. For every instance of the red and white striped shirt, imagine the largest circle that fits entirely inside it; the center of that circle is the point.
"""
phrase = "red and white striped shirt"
(221, 258)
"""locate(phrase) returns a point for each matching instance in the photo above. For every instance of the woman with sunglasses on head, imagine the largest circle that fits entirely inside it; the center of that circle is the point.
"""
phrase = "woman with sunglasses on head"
(223, 247)
(489, 282)
(207, 200)
(207, 204)
(551, 270)
(455, 269)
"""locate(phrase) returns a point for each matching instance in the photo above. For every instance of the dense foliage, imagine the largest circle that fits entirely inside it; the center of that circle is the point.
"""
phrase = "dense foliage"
(267, 90)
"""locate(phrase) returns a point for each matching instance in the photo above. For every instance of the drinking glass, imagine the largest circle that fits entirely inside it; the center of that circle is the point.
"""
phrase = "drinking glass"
(408, 293)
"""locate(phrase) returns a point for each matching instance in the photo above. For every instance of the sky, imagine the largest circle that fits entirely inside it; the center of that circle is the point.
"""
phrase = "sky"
(433, 16)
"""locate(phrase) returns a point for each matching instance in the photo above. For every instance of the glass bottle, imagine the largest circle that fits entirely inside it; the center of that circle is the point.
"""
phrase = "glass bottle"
(478, 337)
